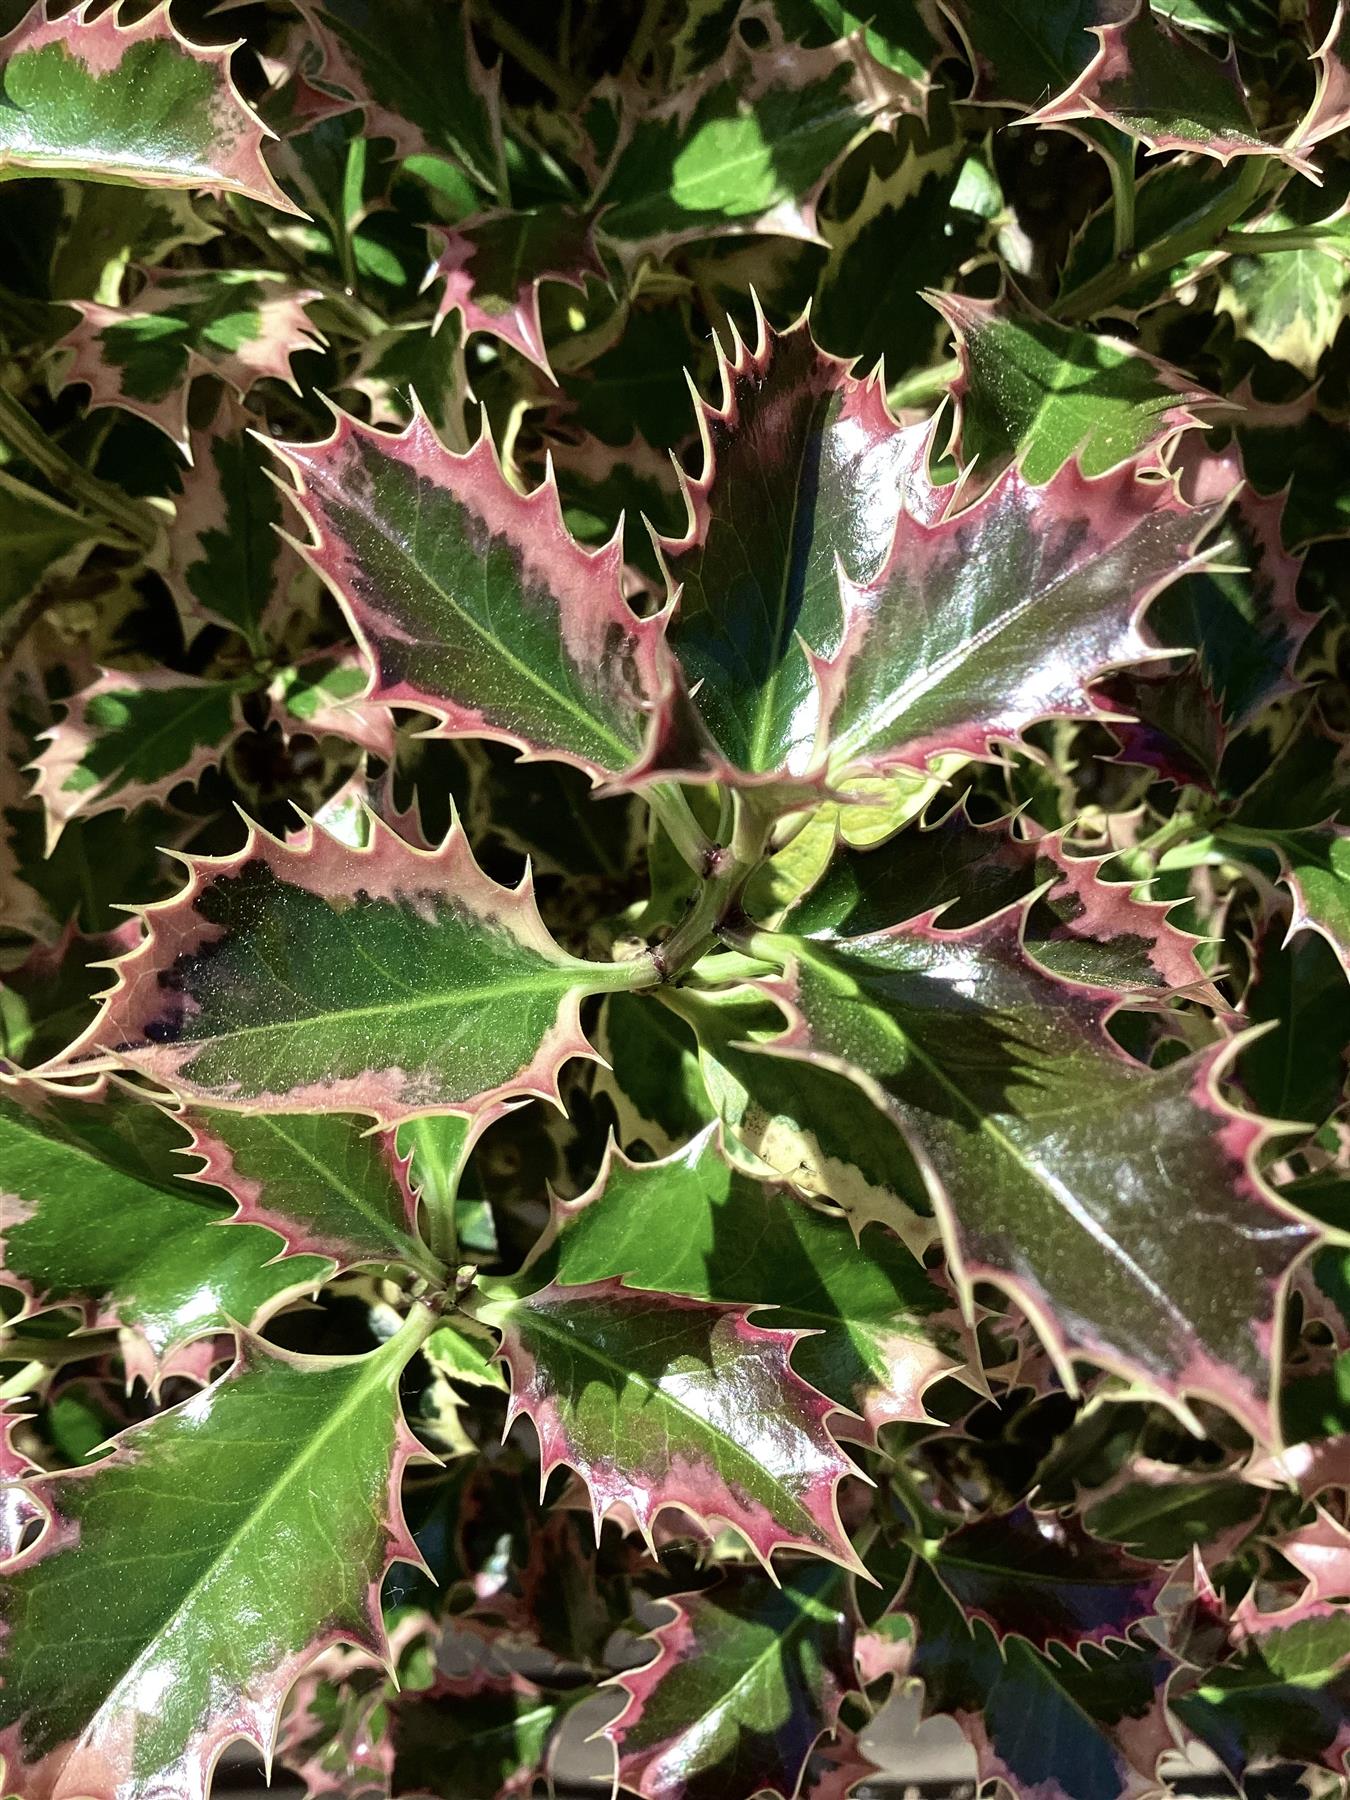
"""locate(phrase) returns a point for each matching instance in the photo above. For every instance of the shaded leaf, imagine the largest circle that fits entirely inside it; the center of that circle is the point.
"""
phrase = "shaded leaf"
(318, 977)
(746, 1677)
(43, 541)
(301, 1459)
(492, 267)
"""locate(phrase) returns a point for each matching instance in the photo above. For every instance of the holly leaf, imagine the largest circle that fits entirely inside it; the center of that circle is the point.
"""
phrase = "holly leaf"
(48, 998)
(824, 1135)
(1042, 1579)
(650, 1075)
(322, 1181)
(324, 694)
(1063, 1727)
(1330, 108)
(1022, 56)
(302, 1459)
(1296, 1068)
(132, 102)
(1056, 1164)
(492, 267)
(1291, 302)
(882, 1329)
(657, 1401)
(748, 146)
(132, 738)
(95, 1215)
(1044, 393)
(474, 604)
(314, 976)
(227, 562)
(484, 1735)
(44, 541)
(243, 325)
(803, 468)
(1317, 873)
(747, 1676)
(1153, 82)
(417, 79)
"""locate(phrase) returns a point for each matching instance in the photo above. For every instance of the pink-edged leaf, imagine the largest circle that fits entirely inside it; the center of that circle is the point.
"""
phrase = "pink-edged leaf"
(474, 603)
(20, 1511)
(658, 1401)
(217, 1608)
(946, 648)
(804, 473)
(325, 695)
(879, 1328)
(1062, 1170)
(492, 267)
(1042, 1578)
(747, 1677)
(315, 976)
(1330, 109)
(132, 738)
(243, 325)
(227, 562)
(1048, 1724)
(1152, 81)
(1316, 870)
(322, 1181)
(129, 101)
(1321, 1554)
(49, 997)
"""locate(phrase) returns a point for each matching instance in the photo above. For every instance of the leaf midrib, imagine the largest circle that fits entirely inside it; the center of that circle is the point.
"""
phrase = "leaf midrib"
(392, 1236)
(256, 1513)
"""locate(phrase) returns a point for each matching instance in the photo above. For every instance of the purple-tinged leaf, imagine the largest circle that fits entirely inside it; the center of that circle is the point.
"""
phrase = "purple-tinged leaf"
(243, 325)
(492, 267)
(1062, 1170)
(132, 738)
(1153, 82)
(1050, 1725)
(20, 1512)
(127, 102)
(314, 976)
(747, 1677)
(1320, 1552)
(944, 650)
(1042, 1578)
(1330, 109)
(219, 1607)
(804, 471)
(325, 695)
(474, 603)
(661, 1401)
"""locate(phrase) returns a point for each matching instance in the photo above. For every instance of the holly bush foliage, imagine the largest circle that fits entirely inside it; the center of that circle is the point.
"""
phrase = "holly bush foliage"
(674, 892)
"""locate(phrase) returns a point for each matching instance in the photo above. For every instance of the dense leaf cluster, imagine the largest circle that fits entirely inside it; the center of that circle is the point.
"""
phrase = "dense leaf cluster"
(674, 892)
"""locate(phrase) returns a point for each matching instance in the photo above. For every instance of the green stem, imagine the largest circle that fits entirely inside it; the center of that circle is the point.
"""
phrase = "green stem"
(1264, 243)
(53, 1353)
(924, 385)
(416, 1328)
(1120, 163)
(1204, 231)
(719, 898)
(669, 804)
(24, 1382)
(568, 93)
(134, 527)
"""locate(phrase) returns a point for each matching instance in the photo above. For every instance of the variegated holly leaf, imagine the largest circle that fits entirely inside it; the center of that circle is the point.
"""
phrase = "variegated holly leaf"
(324, 694)
(1059, 1726)
(127, 102)
(318, 977)
(483, 1734)
(1044, 393)
(95, 1213)
(43, 542)
(1025, 57)
(1042, 1579)
(130, 738)
(1080, 927)
(417, 79)
(324, 1182)
(824, 1136)
(227, 562)
(883, 1328)
(1062, 1169)
(657, 1400)
(1330, 109)
(474, 603)
(49, 997)
(748, 146)
(650, 1075)
(492, 267)
(243, 325)
(849, 621)
(1157, 84)
(1292, 302)
(804, 471)
(747, 1676)
(220, 1606)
